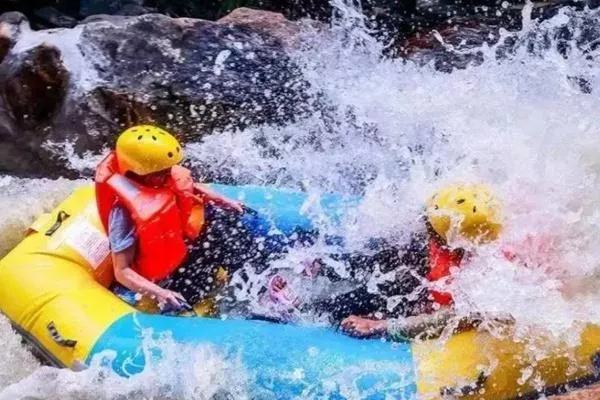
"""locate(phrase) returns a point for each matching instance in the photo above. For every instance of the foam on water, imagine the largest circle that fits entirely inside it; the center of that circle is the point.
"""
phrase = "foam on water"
(185, 372)
(394, 131)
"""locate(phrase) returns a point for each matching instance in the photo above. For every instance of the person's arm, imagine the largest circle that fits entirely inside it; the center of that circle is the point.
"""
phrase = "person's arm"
(364, 327)
(424, 325)
(213, 197)
(122, 237)
(127, 277)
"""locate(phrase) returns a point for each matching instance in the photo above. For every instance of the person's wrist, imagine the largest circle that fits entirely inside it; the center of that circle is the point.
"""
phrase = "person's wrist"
(382, 326)
(394, 327)
(159, 292)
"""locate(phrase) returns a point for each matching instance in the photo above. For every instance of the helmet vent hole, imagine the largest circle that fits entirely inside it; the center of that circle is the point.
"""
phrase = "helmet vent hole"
(178, 149)
(460, 201)
(154, 138)
(147, 129)
(474, 209)
(170, 154)
(140, 137)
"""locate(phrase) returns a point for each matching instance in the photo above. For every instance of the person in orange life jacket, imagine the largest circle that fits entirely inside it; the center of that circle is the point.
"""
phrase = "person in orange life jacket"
(466, 212)
(151, 207)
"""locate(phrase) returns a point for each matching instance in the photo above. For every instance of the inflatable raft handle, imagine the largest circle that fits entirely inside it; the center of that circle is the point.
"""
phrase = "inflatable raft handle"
(466, 390)
(57, 337)
(596, 364)
(60, 218)
(249, 211)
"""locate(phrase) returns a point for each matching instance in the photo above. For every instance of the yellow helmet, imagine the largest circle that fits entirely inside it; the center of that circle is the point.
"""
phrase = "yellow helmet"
(471, 211)
(145, 149)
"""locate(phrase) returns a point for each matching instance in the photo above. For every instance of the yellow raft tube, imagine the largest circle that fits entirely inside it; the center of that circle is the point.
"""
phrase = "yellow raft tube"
(53, 287)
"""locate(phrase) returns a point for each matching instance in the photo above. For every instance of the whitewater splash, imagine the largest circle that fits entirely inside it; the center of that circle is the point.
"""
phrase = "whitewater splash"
(394, 132)
(184, 372)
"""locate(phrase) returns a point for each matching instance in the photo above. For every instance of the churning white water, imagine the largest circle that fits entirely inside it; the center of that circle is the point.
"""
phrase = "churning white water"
(394, 132)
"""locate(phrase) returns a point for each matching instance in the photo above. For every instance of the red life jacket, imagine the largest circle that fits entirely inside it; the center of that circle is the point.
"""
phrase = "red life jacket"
(163, 217)
(192, 211)
(441, 260)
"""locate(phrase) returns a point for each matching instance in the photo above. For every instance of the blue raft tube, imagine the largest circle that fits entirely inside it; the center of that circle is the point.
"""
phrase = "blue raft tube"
(285, 360)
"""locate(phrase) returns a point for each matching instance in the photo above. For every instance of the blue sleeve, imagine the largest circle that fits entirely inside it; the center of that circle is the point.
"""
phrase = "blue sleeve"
(121, 230)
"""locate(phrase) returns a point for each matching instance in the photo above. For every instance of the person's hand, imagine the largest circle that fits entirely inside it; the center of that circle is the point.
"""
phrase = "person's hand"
(219, 200)
(363, 327)
(278, 283)
(312, 267)
(280, 292)
(169, 297)
(236, 206)
(230, 204)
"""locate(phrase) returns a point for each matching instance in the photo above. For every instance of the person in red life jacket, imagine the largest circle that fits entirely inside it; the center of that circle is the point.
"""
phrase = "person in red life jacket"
(151, 209)
(456, 214)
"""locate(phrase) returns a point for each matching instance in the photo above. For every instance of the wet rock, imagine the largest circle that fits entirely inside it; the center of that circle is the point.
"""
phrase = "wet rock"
(13, 18)
(451, 46)
(5, 45)
(287, 32)
(36, 90)
(45, 13)
(134, 10)
(215, 9)
(53, 17)
(121, 7)
(456, 43)
(109, 18)
(32, 93)
(10, 24)
(195, 74)
(193, 77)
(6, 40)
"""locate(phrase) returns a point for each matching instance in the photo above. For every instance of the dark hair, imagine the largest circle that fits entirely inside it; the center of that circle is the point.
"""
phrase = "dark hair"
(133, 176)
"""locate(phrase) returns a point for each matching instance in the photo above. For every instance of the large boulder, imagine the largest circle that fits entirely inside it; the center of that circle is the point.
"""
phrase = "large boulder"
(86, 84)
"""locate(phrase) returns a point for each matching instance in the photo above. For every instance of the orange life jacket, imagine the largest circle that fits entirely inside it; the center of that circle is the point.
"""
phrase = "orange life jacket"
(441, 260)
(163, 217)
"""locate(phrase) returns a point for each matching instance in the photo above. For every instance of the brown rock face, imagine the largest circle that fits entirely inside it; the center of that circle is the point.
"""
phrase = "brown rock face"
(36, 91)
(286, 31)
(123, 107)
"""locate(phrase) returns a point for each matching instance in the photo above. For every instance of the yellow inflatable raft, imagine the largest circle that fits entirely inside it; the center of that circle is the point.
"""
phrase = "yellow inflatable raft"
(53, 287)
